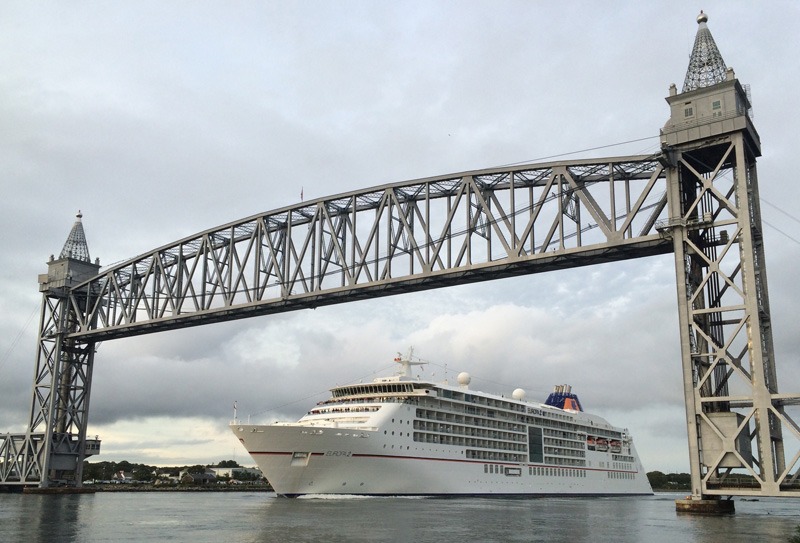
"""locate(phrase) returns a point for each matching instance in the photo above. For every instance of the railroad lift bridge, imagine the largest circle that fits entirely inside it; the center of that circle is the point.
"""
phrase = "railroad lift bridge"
(697, 198)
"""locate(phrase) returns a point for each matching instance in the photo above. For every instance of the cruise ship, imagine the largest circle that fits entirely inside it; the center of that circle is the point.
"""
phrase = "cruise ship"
(403, 435)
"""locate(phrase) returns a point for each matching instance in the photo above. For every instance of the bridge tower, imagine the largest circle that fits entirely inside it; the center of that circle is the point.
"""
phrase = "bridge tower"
(63, 375)
(733, 409)
(55, 444)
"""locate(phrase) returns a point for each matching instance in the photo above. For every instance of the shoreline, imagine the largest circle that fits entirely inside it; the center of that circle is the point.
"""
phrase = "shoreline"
(127, 487)
(92, 489)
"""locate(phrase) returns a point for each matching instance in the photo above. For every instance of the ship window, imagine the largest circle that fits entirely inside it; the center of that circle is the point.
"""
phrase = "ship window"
(535, 445)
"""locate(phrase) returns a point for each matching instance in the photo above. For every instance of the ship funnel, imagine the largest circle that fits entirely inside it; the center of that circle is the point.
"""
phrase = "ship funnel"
(563, 398)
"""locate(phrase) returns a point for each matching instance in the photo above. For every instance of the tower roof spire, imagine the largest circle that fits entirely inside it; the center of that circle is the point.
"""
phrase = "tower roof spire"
(76, 247)
(706, 66)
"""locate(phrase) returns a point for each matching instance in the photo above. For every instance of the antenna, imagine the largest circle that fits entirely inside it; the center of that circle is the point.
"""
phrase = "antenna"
(406, 363)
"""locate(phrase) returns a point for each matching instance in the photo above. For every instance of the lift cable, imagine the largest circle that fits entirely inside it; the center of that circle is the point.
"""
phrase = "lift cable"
(17, 338)
(775, 227)
(534, 160)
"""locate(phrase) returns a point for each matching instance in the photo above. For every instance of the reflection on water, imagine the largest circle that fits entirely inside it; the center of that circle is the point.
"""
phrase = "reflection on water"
(262, 517)
(49, 518)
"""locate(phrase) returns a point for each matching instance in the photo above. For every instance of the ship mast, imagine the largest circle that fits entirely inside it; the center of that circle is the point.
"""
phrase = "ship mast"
(406, 362)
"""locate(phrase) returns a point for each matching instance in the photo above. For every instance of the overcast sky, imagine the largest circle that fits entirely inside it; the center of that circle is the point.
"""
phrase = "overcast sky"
(161, 119)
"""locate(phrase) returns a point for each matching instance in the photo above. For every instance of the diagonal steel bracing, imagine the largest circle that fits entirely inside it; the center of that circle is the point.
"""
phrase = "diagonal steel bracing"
(385, 240)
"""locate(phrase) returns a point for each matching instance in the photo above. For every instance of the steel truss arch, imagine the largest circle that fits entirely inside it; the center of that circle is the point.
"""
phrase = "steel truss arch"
(384, 240)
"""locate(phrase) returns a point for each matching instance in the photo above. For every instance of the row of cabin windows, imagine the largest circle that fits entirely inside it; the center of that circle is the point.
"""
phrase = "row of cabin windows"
(517, 424)
(455, 429)
(441, 416)
(454, 412)
(343, 409)
(541, 471)
(564, 461)
(555, 472)
(481, 400)
(622, 458)
(458, 441)
(474, 400)
(565, 452)
(620, 475)
(494, 456)
(386, 388)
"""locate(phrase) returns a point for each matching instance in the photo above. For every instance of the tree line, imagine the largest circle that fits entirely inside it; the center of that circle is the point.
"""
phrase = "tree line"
(143, 473)
(669, 481)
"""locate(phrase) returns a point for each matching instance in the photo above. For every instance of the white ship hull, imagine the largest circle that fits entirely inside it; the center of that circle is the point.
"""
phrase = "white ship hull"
(300, 459)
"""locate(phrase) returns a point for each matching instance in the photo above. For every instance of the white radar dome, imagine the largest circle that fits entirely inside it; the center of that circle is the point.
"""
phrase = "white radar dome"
(464, 378)
(518, 394)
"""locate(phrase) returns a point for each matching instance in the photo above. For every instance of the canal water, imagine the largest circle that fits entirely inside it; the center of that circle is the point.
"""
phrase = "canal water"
(234, 517)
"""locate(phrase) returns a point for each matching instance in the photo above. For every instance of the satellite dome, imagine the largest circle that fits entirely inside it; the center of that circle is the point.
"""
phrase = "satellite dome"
(464, 378)
(518, 394)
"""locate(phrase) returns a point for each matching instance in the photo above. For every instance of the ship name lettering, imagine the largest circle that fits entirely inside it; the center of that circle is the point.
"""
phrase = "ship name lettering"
(338, 453)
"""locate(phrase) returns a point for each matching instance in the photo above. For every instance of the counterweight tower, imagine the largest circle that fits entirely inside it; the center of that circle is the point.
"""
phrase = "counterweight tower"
(733, 409)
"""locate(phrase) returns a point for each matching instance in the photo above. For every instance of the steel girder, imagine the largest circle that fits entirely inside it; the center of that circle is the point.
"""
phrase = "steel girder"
(385, 240)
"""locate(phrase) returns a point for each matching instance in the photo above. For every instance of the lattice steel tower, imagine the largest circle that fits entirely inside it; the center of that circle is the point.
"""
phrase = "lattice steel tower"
(53, 448)
(733, 408)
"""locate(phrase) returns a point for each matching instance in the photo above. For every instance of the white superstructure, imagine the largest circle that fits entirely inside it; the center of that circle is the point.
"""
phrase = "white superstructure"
(401, 435)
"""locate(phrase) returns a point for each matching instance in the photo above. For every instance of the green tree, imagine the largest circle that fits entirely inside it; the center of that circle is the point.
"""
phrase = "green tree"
(657, 479)
(144, 474)
(245, 476)
(91, 471)
(100, 471)
(229, 464)
(680, 479)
